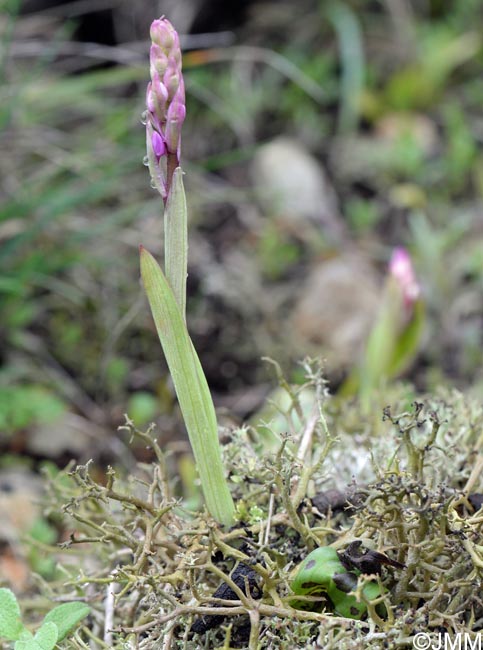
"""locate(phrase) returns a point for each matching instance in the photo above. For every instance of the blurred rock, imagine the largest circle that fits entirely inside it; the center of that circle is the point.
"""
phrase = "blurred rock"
(14, 570)
(20, 511)
(20, 491)
(337, 307)
(71, 434)
(362, 158)
(293, 188)
(391, 128)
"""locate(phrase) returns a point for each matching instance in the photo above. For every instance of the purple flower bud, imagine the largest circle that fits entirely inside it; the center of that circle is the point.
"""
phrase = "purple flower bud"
(165, 102)
(156, 149)
(159, 146)
(176, 116)
(401, 269)
(163, 33)
(158, 60)
(172, 77)
(159, 97)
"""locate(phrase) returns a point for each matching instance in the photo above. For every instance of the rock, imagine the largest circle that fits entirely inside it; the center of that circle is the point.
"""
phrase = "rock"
(337, 308)
(70, 434)
(293, 188)
(19, 503)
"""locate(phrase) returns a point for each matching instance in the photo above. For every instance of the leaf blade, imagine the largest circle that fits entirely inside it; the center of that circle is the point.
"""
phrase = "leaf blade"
(66, 617)
(191, 388)
(11, 625)
(47, 635)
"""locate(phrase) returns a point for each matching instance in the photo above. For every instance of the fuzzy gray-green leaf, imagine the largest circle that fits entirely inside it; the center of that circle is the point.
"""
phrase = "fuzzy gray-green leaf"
(27, 642)
(47, 635)
(10, 623)
(67, 616)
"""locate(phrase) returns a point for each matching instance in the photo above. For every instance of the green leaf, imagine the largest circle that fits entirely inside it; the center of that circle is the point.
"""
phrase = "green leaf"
(323, 574)
(348, 28)
(142, 407)
(66, 617)
(27, 642)
(380, 344)
(10, 624)
(408, 342)
(24, 405)
(191, 389)
(47, 635)
(176, 240)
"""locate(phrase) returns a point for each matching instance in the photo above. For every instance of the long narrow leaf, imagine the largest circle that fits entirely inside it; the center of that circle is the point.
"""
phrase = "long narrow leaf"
(176, 240)
(348, 29)
(191, 388)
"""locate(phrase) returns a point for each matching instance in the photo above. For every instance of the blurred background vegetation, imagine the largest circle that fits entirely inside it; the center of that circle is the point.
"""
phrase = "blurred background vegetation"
(319, 136)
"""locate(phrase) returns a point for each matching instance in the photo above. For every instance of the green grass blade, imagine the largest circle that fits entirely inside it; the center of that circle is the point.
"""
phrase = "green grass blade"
(352, 60)
(176, 240)
(191, 388)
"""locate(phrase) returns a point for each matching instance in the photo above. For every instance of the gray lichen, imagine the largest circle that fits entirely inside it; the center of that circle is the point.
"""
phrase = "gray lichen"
(413, 499)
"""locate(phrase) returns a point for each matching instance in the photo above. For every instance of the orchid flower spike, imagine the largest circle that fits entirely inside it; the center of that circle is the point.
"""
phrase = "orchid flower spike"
(402, 270)
(165, 105)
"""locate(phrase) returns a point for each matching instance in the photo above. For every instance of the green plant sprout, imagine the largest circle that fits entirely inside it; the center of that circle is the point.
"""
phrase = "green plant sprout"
(166, 292)
(396, 335)
(57, 624)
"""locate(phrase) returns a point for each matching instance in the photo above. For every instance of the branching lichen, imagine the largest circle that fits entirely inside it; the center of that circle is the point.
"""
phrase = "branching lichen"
(154, 571)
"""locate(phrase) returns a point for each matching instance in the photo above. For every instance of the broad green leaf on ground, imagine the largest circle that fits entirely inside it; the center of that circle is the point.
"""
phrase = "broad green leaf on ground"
(191, 389)
(27, 642)
(47, 635)
(66, 617)
(10, 624)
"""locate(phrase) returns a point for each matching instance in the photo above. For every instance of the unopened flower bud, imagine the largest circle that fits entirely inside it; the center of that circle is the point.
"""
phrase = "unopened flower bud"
(159, 97)
(158, 60)
(163, 33)
(172, 78)
(401, 269)
(176, 116)
(165, 102)
(155, 149)
(158, 144)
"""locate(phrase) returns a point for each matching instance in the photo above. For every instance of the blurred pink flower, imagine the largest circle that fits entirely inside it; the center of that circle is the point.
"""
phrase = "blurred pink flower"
(401, 269)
